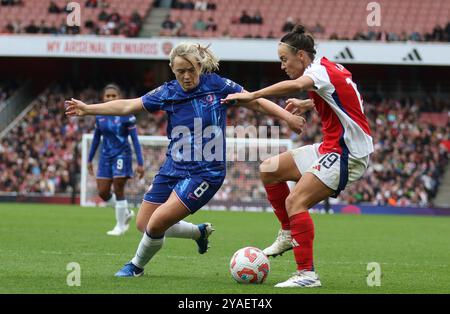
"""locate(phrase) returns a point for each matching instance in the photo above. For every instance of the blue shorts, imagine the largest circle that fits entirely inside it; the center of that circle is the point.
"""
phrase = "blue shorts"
(194, 192)
(115, 167)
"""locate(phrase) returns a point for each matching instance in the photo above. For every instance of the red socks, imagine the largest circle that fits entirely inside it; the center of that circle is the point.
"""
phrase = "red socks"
(277, 194)
(302, 229)
(301, 225)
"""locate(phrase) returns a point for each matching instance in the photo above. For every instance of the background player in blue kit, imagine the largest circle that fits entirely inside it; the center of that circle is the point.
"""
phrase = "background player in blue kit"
(115, 162)
(195, 164)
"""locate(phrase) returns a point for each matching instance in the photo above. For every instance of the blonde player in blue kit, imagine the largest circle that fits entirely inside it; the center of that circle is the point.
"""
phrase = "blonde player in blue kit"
(189, 177)
(115, 162)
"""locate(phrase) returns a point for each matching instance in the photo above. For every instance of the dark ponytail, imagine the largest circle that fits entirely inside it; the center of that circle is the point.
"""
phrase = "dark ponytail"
(297, 39)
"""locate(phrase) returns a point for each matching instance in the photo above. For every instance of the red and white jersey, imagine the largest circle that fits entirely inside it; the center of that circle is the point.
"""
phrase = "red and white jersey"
(344, 125)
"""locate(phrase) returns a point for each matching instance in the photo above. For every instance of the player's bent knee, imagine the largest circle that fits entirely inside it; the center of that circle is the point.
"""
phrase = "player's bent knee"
(104, 195)
(265, 166)
(140, 225)
(290, 203)
(155, 229)
(119, 190)
(294, 205)
(267, 172)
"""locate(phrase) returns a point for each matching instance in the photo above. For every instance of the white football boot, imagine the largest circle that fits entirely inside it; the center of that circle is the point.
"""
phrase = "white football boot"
(282, 244)
(130, 216)
(301, 279)
(117, 230)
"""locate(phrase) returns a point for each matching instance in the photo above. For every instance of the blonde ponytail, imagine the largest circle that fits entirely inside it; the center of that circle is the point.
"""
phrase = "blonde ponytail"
(202, 54)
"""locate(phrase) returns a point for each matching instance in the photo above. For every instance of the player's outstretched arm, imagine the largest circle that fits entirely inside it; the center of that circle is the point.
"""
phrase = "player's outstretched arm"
(295, 122)
(283, 88)
(93, 150)
(137, 149)
(120, 107)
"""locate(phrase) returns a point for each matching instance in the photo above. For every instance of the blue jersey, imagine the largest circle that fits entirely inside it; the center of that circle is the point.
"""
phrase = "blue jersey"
(115, 131)
(196, 118)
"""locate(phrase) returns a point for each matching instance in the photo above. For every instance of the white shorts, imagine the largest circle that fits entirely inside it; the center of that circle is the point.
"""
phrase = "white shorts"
(334, 170)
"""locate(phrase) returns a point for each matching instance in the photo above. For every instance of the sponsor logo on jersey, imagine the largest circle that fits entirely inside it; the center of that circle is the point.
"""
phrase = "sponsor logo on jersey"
(155, 90)
(208, 99)
(316, 167)
(340, 67)
(230, 83)
(191, 196)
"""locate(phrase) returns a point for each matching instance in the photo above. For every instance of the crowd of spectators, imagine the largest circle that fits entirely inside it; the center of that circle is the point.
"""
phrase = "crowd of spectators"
(201, 5)
(107, 23)
(11, 2)
(113, 23)
(16, 27)
(38, 155)
(438, 34)
(409, 158)
(245, 18)
(178, 28)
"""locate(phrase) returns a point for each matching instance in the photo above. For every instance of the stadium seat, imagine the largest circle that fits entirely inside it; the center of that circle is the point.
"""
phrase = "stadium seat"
(37, 11)
(337, 16)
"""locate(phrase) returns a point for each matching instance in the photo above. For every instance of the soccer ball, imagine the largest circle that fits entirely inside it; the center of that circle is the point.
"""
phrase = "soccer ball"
(249, 265)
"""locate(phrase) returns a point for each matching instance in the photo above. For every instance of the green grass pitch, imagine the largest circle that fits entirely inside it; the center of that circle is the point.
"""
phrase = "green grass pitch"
(38, 241)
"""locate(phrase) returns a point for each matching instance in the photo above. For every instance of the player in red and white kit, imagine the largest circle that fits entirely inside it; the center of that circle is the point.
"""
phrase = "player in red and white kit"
(321, 170)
